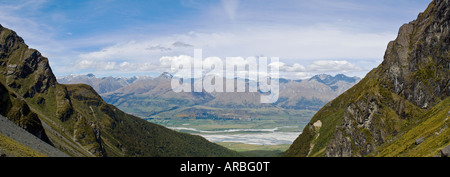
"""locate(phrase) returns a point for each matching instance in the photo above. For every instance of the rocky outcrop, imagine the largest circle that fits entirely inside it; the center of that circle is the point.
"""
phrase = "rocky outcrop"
(19, 112)
(88, 134)
(359, 132)
(417, 62)
(445, 152)
(28, 76)
(64, 107)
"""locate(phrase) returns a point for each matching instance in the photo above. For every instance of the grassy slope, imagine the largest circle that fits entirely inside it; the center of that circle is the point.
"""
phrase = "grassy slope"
(433, 127)
(12, 148)
(250, 150)
(331, 116)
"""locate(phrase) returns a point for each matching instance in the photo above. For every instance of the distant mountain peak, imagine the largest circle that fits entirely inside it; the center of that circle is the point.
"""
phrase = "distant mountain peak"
(323, 76)
(166, 75)
(330, 80)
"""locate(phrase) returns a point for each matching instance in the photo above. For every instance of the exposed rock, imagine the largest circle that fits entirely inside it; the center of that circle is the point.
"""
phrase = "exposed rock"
(19, 112)
(413, 58)
(88, 134)
(64, 107)
(420, 140)
(359, 129)
(318, 124)
(445, 152)
(31, 73)
(340, 146)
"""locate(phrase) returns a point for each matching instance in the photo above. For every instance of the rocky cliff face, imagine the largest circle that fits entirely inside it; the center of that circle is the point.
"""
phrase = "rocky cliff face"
(28, 76)
(416, 63)
(402, 93)
(16, 76)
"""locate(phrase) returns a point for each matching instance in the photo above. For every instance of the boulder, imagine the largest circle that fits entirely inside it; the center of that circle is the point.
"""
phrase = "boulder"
(420, 140)
(445, 151)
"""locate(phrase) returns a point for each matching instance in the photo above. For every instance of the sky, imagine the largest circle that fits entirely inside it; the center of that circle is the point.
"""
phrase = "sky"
(131, 37)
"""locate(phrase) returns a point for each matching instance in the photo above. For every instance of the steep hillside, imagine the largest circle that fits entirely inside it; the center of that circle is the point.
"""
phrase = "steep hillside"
(74, 118)
(400, 108)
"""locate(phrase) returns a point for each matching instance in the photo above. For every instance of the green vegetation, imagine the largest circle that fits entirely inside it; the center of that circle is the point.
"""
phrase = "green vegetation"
(433, 127)
(331, 116)
(250, 150)
(11, 148)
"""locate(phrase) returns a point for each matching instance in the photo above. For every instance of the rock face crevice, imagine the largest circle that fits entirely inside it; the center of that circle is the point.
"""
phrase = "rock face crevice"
(359, 132)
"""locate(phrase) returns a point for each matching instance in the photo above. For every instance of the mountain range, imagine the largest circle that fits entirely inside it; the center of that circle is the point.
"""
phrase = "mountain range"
(74, 118)
(401, 108)
(147, 96)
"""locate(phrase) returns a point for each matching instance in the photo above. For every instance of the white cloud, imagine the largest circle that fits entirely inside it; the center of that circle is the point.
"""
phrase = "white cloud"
(90, 64)
(283, 67)
(231, 8)
(302, 75)
(326, 66)
(289, 43)
(113, 66)
(168, 62)
(130, 50)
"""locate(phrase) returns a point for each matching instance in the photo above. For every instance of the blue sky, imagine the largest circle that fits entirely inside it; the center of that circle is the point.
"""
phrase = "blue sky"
(124, 38)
